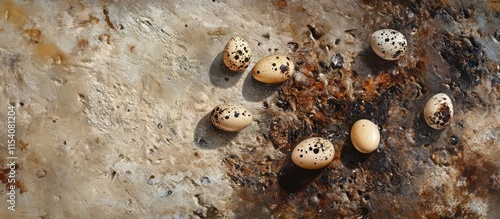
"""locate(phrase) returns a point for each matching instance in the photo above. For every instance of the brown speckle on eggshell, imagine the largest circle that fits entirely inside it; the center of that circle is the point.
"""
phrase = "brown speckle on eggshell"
(273, 69)
(388, 44)
(237, 54)
(313, 153)
(438, 111)
(231, 117)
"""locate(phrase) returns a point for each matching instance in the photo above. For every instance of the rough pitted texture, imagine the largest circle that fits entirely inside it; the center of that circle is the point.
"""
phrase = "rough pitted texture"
(113, 103)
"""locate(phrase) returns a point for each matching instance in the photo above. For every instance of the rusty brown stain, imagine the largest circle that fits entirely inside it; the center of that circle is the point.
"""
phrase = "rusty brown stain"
(4, 179)
(280, 3)
(49, 51)
(91, 20)
(44, 49)
(14, 14)
(105, 38)
(381, 176)
(34, 35)
(380, 83)
(131, 48)
(22, 145)
(20, 185)
(106, 17)
(493, 4)
(83, 43)
(5, 173)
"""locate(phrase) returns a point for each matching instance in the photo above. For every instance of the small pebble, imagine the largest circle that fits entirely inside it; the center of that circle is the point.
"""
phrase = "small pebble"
(336, 61)
(205, 180)
(41, 173)
(313, 153)
(365, 136)
(388, 44)
(273, 69)
(230, 117)
(438, 111)
(454, 140)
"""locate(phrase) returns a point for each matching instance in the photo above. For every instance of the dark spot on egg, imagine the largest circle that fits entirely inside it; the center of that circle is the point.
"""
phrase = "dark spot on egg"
(316, 150)
(284, 68)
(445, 112)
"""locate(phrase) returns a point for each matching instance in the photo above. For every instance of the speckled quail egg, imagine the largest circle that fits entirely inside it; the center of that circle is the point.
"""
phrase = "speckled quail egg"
(273, 69)
(388, 44)
(313, 153)
(230, 117)
(438, 111)
(237, 54)
(365, 136)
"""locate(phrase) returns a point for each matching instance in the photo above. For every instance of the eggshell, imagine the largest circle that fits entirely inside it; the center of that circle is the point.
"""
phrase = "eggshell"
(365, 136)
(230, 117)
(388, 44)
(237, 54)
(438, 111)
(273, 69)
(313, 153)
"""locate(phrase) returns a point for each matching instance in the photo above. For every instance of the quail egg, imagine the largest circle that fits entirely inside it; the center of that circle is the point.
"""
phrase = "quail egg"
(237, 54)
(230, 117)
(365, 136)
(438, 111)
(273, 69)
(388, 44)
(313, 153)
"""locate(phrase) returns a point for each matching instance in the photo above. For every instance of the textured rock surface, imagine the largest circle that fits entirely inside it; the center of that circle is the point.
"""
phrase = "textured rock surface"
(113, 101)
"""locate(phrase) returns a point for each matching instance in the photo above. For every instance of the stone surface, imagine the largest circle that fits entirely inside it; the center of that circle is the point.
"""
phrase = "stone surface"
(113, 100)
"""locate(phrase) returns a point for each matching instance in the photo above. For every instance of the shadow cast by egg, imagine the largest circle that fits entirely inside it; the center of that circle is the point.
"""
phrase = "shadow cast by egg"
(207, 136)
(292, 178)
(220, 75)
(368, 61)
(350, 157)
(424, 134)
(256, 91)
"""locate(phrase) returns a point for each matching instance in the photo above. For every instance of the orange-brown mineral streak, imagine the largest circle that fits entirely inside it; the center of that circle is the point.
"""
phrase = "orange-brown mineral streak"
(43, 48)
